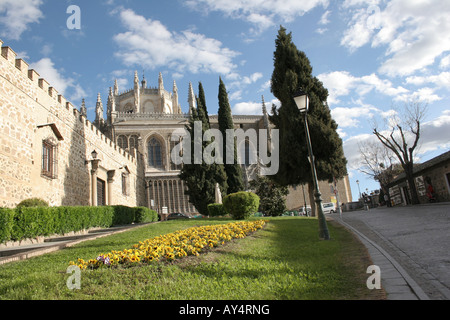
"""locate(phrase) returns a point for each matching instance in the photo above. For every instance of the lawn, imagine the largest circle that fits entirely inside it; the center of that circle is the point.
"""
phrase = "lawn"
(285, 260)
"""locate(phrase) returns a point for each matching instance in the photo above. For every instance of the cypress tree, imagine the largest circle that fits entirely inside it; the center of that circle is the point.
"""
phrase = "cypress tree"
(225, 118)
(201, 179)
(292, 71)
(202, 99)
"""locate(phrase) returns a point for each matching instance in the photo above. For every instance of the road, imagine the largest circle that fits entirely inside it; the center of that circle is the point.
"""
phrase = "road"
(417, 237)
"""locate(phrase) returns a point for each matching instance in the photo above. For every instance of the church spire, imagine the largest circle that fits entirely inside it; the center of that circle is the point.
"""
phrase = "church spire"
(144, 82)
(175, 106)
(99, 109)
(265, 115)
(116, 88)
(83, 109)
(111, 106)
(191, 99)
(137, 93)
(160, 83)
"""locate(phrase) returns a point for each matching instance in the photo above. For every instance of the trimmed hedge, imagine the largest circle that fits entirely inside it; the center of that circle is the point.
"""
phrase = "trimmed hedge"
(33, 202)
(241, 205)
(6, 224)
(31, 222)
(216, 209)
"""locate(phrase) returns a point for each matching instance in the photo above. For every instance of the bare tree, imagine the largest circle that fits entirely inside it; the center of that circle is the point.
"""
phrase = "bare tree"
(401, 136)
(378, 162)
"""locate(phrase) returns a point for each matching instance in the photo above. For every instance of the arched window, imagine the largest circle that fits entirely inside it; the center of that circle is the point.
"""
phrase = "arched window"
(122, 142)
(247, 153)
(134, 142)
(154, 153)
(129, 108)
(177, 144)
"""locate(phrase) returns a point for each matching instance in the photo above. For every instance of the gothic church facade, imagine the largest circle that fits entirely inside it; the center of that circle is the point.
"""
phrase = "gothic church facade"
(49, 149)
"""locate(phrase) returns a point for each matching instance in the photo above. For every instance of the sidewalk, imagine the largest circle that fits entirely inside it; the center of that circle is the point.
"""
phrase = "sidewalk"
(18, 253)
(394, 279)
(411, 241)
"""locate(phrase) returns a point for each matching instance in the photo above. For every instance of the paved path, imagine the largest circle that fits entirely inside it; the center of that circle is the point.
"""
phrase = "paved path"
(410, 245)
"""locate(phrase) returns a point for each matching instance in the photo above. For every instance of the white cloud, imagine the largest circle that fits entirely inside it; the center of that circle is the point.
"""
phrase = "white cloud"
(16, 15)
(342, 83)
(358, 34)
(435, 133)
(262, 14)
(265, 86)
(445, 62)
(424, 94)
(348, 117)
(237, 95)
(46, 68)
(351, 149)
(240, 82)
(150, 44)
(441, 80)
(338, 83)
(253, 78)
(248, 108)
(253, 108)
(414, 33)
(324, 19)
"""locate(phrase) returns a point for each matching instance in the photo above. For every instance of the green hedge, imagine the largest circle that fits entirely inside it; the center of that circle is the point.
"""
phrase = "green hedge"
(31, 222)
(241, 204)
(145, 215)
(216, 209)
(33, 202)
(6, 224)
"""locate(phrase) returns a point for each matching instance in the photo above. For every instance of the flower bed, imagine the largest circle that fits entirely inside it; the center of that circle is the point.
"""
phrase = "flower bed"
(174, 245)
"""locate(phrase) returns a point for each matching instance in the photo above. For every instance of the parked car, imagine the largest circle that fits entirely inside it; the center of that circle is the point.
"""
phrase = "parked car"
(302, 212)
(329, 207)
(178, 215)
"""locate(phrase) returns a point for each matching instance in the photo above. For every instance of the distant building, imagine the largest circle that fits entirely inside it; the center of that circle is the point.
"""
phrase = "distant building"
(432, 180)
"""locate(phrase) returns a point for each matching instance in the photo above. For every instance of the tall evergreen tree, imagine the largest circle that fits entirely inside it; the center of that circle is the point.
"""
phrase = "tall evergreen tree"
(292, 71)
(201, 178)
(202, 98)
(225, 118)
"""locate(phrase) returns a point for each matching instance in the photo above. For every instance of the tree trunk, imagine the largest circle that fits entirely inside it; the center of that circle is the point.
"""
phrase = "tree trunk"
(412, 185)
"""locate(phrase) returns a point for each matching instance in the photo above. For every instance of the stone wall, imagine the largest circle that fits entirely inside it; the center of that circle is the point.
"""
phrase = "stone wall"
(295, 199)
(31, 112)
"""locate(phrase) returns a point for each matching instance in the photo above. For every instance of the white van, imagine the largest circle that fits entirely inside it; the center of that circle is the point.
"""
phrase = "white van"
(329, 207)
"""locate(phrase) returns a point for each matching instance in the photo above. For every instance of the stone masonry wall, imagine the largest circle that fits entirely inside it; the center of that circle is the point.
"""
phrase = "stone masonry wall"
(32, 111)
(295, 198)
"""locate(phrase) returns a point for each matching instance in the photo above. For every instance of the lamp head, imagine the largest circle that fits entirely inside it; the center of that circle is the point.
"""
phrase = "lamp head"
(94, 154)
(301, 100)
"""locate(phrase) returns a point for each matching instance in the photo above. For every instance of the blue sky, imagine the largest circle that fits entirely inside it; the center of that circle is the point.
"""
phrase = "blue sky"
(372, 55)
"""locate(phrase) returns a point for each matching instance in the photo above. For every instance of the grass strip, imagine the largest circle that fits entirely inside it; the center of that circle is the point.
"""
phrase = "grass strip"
(285, 260)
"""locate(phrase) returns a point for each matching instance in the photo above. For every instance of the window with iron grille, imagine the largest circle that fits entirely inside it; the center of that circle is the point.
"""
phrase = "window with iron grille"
(174, 144)
(49, 163)
(155, 154)
(125, 184)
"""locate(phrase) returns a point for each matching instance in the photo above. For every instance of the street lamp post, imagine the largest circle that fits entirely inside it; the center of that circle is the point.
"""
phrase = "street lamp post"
(302, 102)
(357, 182)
